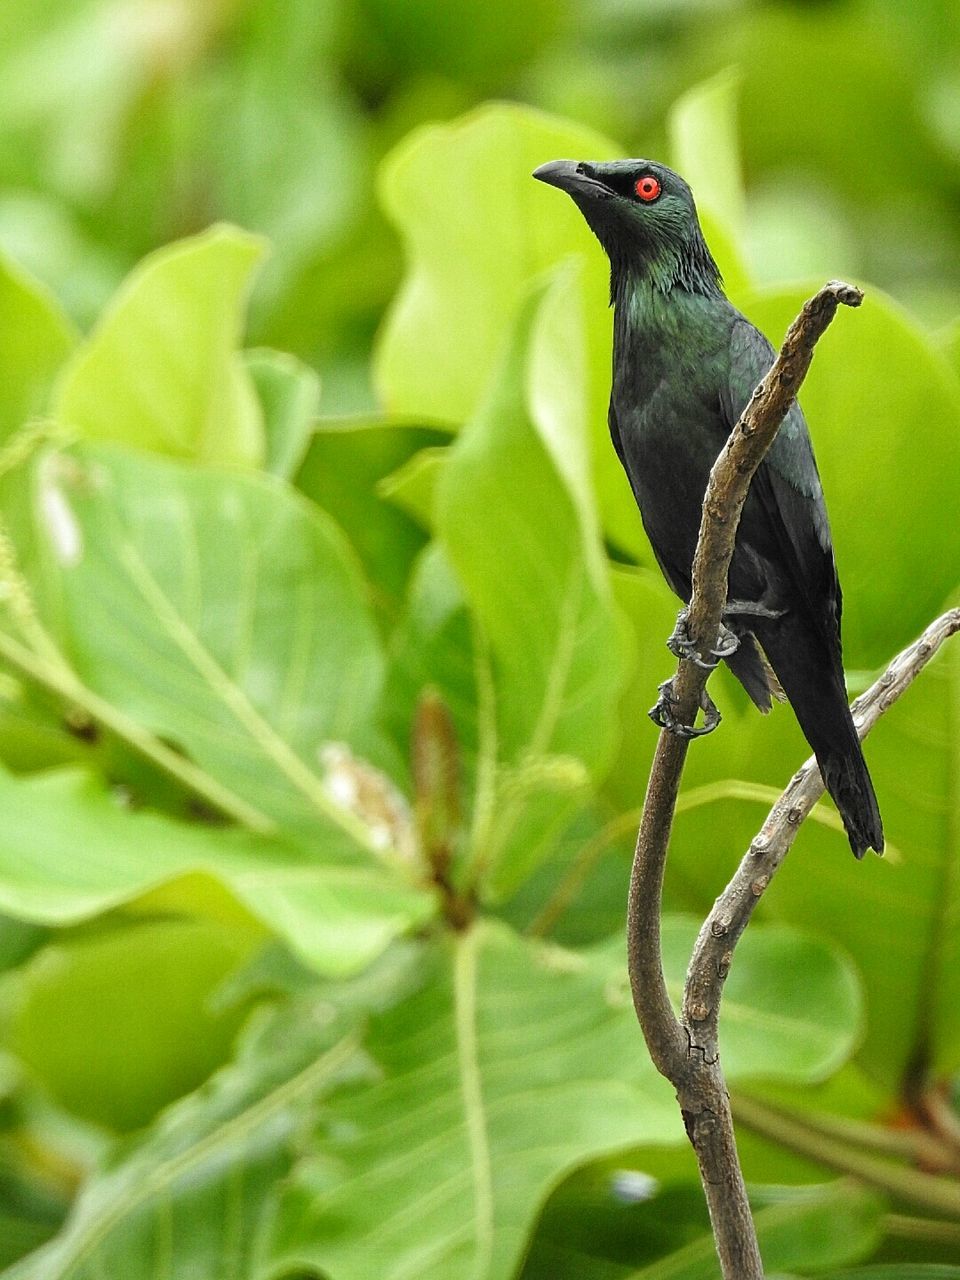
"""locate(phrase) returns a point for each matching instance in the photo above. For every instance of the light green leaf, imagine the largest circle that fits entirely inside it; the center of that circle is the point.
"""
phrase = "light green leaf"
(541, 596)
(650, 609)
(478, 232)
(331, 903)
(792, 1006)
(194, 1195)
(346, 460)
(477, 229)
(35, 339)
(488, 1089)
(432, 647)
(202, 604)
(536, 586)
(413, 486)
(289, 394)
(162, 369)
(118, 1025)
(884, 413)
(705, 149)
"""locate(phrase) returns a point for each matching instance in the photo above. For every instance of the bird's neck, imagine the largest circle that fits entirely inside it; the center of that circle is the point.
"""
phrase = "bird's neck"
(648, 273)
(652, 301)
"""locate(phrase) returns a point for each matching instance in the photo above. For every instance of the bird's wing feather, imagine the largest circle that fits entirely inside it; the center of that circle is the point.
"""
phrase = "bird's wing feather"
(615, 436)
(787, 485)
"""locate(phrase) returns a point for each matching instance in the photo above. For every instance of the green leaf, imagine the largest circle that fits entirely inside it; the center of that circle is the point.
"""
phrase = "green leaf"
(35, 339)
(792, 1005)
(486, 1091)
(540, 593)
(119, 1025)
(332, 904)
(477, 230)
(705, 149)
(162, 370)
(808, 1228)
(432, 647)
(898, 1271)
(341, 472)
(650, 609)
(289, 394)
(194, 1195)
(879, 381)
(201, 603)
(413, 486)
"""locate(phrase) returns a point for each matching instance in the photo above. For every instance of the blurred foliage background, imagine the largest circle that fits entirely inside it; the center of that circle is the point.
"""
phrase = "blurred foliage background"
(130, 123)
(327, 619)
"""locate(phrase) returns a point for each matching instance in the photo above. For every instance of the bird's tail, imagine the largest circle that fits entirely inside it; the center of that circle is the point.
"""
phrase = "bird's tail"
(812, 679)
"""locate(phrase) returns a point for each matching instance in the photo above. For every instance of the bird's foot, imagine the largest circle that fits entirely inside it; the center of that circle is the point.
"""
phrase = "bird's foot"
(666, 713)
(750, 609)
(681, 645)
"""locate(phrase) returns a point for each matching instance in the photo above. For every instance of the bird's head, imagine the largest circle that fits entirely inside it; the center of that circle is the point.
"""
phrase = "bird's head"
(644, 216)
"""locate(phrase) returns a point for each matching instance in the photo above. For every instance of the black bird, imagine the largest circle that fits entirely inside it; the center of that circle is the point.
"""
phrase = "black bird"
(685, 363)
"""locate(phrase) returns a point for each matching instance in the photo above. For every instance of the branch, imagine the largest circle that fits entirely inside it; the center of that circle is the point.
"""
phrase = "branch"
(733, 909)
(700, 1086)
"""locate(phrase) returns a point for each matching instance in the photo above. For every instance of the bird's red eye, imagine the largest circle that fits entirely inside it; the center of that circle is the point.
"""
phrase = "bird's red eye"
(647, 188)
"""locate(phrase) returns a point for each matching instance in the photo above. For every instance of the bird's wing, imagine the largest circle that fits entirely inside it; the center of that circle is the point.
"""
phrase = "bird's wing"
(615, 435)
(787, 485)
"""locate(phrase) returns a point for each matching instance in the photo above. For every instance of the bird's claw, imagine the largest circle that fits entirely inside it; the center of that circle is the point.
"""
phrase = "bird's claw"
(681, 645)
(666, 714)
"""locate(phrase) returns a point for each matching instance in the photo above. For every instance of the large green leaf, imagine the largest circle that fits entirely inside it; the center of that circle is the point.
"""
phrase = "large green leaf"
(705, 149)
(806, 1228)
(329, 901)
(217, 608)
(346, 460)
(162, 369)
(614, 1217)
(541, 596)
(289, 394)
(35, 339)
(432, 647)
(884, 412)
(507, 1066)
(193, 1196)
(115, 1026)
(478, 232)
(792, 1006)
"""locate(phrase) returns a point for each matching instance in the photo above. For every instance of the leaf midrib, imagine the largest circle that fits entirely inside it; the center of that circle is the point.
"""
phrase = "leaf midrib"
(162, 1175)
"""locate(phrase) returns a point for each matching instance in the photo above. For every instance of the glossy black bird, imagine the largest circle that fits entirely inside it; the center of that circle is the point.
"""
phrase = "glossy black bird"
(685, 363)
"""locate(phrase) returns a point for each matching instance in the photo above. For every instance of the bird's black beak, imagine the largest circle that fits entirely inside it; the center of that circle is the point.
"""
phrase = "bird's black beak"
(576, 177)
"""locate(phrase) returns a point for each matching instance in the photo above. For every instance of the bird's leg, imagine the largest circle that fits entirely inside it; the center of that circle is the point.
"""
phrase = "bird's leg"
(681, 645)
(666, 713)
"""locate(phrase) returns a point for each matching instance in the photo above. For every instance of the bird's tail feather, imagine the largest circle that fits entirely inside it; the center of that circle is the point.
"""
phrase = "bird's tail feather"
(812, 679)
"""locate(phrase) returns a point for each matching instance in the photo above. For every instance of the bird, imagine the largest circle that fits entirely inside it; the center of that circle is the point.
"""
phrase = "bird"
(685, 364)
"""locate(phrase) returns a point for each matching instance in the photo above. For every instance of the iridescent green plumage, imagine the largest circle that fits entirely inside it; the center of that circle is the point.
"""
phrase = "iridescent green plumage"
(685, 364)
